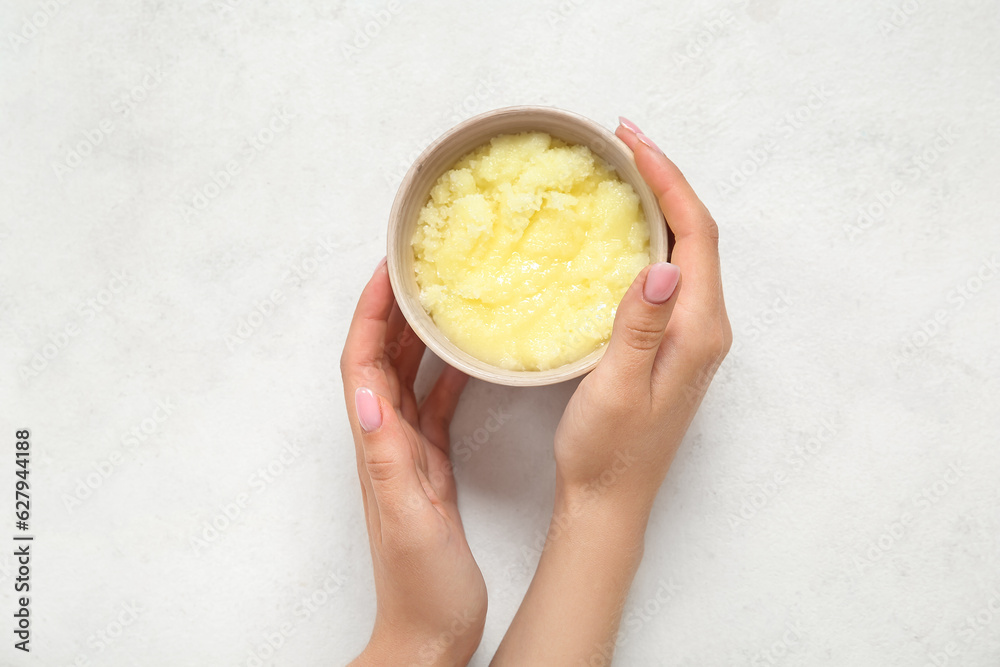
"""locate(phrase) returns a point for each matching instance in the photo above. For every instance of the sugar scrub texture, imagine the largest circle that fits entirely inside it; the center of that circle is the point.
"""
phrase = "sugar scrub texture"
(524, 250)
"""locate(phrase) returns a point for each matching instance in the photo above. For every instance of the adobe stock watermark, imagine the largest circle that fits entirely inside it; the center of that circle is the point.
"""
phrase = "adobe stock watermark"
(794, 120)
(320, 596)
(758, 324)
(431, 652)
(760, 155)
(225, 516)
(754, 160)
(560, 13)
(763, 10)
(121, 109)
(963, 293)
(696, 389)
(899, 17)
(264, 650)
(301, 270)
(34, 24)
(391, 351)
(371, 29)
(222, 178)
(562, 520)
(971, 627)
(102, 470)
(463, 449)
(894, 532)
(777, 307)
(251, 323)
(473, 103)
(87, 309)
(224, 6)
(105, 637)
(872, 214)
(711, 29)
(797, 460)
(635, 619)
(592, 333)
(272, 642)
(777, 651)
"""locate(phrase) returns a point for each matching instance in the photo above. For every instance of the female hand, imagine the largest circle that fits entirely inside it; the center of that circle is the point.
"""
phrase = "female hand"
(431, 594)
(620, 432)
(623, 425)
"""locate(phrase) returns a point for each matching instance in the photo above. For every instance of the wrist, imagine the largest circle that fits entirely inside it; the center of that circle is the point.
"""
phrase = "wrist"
(592, 551)
(587, 521)
(404, 648)
(620, 505)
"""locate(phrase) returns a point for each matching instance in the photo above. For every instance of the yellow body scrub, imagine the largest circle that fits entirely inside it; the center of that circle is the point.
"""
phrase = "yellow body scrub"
(524, 249)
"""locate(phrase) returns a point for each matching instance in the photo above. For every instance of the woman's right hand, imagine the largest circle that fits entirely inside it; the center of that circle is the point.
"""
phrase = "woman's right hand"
(625, 421)
(620, 432)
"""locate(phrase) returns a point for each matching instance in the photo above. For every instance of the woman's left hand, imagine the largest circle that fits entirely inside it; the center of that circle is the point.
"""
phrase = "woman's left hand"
(431, 594)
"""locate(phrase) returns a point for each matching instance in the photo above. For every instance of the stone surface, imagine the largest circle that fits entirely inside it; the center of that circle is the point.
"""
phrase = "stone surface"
(193, 195)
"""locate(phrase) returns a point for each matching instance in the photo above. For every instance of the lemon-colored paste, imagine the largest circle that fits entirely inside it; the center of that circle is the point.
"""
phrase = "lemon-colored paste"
(524, 250)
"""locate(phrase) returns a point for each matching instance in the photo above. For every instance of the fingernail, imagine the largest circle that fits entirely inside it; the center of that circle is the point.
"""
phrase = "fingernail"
(369, 412)
(649, 142)
(661, 281)
(626, 123)
(381, 263)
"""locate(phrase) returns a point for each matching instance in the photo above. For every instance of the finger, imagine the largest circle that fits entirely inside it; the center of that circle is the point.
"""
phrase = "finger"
(696, 236)
(684, 211)
(388, 461)
(367, 494)
(395, 324)
(641, 321)
(627, 134)
(438, 408)
(361, 362)
(403, 351)
(411, 352)
(390, 353)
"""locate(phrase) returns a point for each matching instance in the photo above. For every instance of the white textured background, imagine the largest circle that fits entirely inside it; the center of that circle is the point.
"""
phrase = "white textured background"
(836, 501)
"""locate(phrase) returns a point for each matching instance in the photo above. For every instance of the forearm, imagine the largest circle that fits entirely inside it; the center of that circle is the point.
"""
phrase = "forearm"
(574, 604)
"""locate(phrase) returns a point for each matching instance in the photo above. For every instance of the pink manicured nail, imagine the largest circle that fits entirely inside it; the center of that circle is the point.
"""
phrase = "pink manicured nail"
(649, 142)
(661, 281)
(381, 263)
(369, 412)
(626, 123)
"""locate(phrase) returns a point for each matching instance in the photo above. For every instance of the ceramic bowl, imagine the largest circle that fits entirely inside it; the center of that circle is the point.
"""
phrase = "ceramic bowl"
(441, 156)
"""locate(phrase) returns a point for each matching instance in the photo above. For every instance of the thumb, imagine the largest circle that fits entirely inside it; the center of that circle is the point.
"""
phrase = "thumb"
(387, 457)
(642, 319)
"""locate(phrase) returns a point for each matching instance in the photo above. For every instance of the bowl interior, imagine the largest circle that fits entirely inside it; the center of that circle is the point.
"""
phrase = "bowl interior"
(441, 156)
